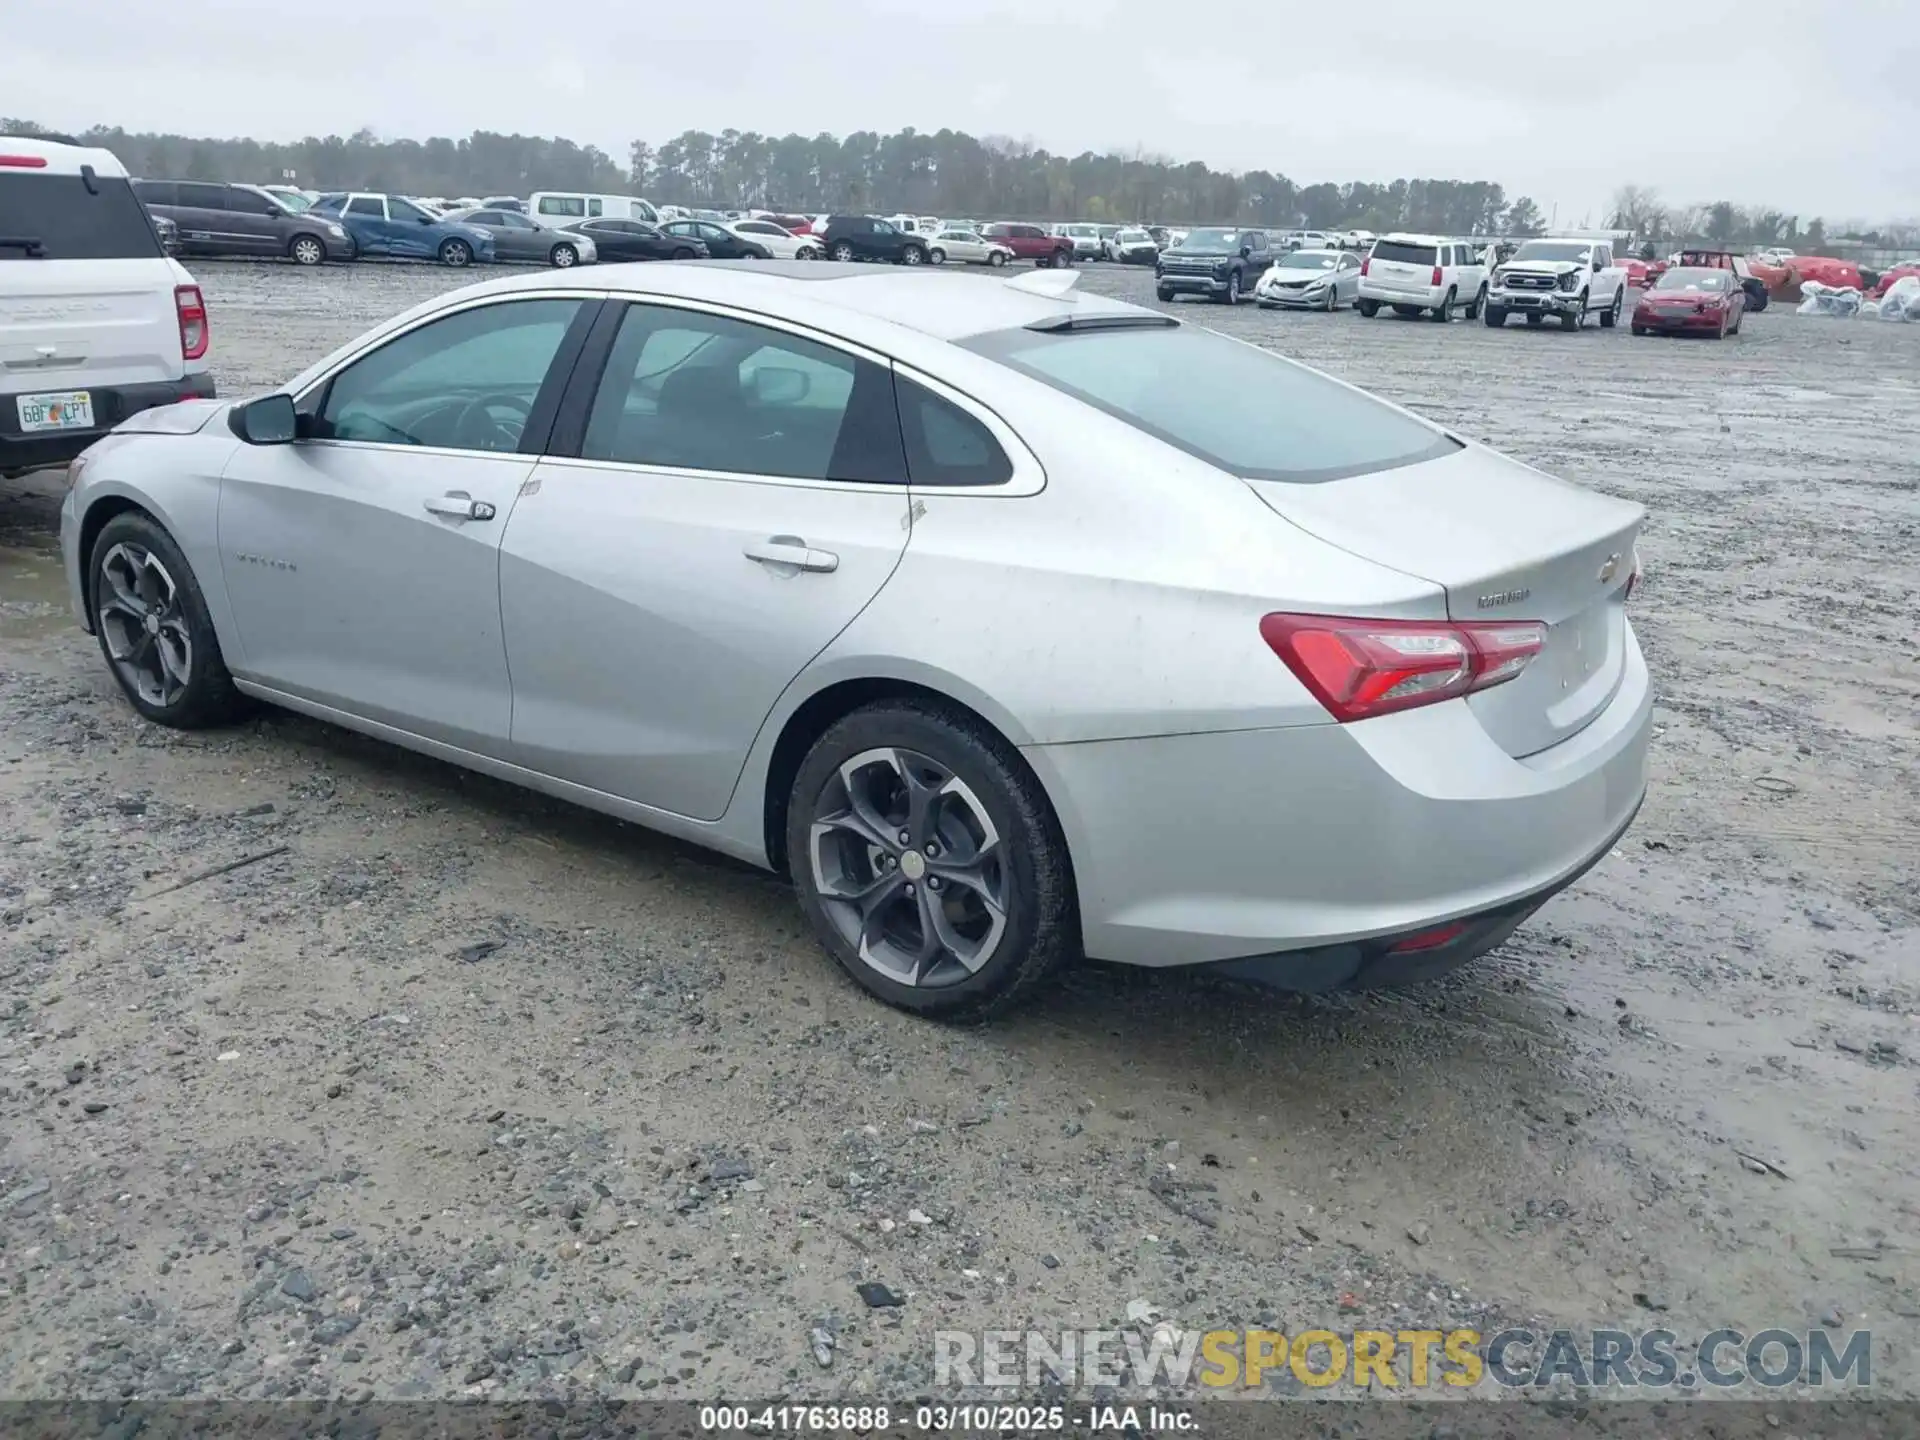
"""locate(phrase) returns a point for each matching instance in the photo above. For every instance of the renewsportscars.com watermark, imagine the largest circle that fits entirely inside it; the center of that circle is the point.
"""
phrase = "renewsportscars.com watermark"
(1223, 1362)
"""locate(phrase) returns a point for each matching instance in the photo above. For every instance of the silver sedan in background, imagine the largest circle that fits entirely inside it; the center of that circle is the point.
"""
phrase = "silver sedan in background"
(1310, 280)
(963, 602)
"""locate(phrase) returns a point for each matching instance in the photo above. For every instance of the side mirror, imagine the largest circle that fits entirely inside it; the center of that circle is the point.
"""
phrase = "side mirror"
(1246, 251)
(269, 420)
(778, 385)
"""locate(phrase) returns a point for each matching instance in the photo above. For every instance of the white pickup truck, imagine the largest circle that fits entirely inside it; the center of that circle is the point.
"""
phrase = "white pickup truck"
(1568, 279)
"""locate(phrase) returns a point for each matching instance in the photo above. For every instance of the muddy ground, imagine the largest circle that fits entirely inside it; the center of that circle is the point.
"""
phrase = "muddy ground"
(288, 1131)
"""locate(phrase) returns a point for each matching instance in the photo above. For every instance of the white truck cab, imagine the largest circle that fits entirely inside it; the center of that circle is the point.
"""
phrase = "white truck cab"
(97, 322)
(1568, 278)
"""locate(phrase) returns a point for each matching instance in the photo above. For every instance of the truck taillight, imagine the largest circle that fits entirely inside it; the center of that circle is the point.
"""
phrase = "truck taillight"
(191, 308)
(1437, 278)
(1365, 263)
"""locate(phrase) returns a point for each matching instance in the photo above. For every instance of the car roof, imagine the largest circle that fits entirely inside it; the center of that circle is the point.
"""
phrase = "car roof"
(944, 306)
(63, 158)
(1404, 238)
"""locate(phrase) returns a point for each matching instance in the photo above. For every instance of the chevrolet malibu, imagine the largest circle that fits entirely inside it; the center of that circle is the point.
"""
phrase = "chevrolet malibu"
(964, 602)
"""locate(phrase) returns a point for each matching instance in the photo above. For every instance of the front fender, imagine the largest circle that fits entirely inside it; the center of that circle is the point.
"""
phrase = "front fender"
(175, 479)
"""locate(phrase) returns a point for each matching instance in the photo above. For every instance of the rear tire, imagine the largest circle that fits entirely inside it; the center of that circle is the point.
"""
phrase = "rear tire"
(843, 253)
(996, 258)
(683, 253)
(153, 627)
(913, 255)
(1443, 312)
(1610, 317)
(1368, 308)
(936, 256)
(992, 938)
(456, 253)
(306, 250)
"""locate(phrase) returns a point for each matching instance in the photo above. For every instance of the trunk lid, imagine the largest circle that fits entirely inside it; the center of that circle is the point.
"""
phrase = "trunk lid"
(1505, 542)
(70, 324)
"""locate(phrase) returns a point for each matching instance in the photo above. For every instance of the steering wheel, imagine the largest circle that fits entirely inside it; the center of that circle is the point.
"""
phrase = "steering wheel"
(480, 428)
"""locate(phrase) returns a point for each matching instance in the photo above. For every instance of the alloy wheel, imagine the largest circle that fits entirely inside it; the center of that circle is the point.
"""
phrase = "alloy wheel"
(145, 628)
(909, 868)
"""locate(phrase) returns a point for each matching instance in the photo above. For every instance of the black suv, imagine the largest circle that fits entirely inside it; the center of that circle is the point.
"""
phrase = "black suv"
(861, 237)
(215, 219)
(1218, 261)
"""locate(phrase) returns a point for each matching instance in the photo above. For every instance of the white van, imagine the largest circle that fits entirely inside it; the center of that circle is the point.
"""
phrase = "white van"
(558, 209)
(98, 322)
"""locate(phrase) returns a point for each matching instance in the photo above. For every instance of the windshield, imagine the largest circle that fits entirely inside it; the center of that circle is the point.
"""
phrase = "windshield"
(1211, 239)
(1307, 260)
(292, 200)
(1555, 250)
(1296, 425)
(1132, 237)
(1715, 280)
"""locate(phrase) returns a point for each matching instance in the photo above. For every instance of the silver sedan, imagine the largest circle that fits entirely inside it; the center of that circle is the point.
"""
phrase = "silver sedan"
(1310, 280)
(964, 602)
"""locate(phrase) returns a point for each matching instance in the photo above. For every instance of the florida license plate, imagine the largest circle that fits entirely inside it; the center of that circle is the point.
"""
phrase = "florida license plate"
(67, 410)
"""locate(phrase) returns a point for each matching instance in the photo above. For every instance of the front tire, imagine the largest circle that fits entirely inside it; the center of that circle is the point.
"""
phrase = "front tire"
(1164, 293)
(1639, 329)
(1534, 317)
(563, 257)
(1232, 297)
(1610, 317)
(996, 258)
(974, 907)
(913, 255)
(154, 629)
(1495, 316)
(456, 253)
(936, 256)
(1576, 317)
(683, 253)
(307, 250)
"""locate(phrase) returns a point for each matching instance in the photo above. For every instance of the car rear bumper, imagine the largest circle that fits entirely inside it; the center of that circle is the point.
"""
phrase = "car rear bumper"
(1255, 845)
(111, 405)
(1424, 296)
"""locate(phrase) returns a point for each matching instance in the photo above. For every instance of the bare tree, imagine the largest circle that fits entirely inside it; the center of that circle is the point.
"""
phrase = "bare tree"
(1638, 208)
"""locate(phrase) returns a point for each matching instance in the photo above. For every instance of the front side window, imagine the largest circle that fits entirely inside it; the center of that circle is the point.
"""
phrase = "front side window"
(1289, 424)
(467, 382)
(405, 212)
(691, 391)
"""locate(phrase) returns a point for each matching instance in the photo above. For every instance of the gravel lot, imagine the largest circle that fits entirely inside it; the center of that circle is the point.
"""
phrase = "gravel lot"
(297, 1130)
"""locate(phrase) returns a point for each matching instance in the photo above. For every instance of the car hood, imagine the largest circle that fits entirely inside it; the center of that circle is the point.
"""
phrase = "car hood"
(1540, 267)
(1183, 252)
(184, 417)
(1280, 275)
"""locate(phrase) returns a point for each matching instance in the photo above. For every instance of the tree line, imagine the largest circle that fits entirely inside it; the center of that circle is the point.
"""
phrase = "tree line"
(947, 173)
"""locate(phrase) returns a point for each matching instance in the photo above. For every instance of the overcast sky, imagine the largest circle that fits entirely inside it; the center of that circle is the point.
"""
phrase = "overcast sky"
(1814, 110)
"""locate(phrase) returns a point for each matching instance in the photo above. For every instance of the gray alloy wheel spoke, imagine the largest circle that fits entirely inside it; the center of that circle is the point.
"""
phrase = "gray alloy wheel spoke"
(145, 629)
(909, 868)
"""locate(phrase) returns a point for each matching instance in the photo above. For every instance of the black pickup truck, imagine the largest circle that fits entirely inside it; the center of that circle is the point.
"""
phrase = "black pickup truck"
(1219, 262)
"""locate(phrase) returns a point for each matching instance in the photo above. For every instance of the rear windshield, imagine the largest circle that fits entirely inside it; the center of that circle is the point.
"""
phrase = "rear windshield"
(1401, 251)
(1241, 408)
(71, 223)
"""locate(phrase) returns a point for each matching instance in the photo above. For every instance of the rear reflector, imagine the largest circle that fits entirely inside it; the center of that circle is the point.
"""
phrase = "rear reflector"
(1428, 939)
(1359, 667)
(192, 310)
(23, 162)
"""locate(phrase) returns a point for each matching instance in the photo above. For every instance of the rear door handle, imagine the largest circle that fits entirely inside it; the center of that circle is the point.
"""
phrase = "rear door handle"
(792, 550)
(458, 505)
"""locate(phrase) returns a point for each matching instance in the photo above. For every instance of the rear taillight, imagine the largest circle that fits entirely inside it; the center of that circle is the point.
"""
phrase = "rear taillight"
(192, 311)
(1437, 277)
(1359, 667)
(1364, 264)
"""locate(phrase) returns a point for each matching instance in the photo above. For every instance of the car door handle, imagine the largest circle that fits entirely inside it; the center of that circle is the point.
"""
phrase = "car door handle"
(792, 550)
(458, 505)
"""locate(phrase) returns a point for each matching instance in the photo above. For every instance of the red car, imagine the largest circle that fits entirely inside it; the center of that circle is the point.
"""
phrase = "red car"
(1754, 285)
(1031, 242)
(1692, 300)
(1635, 267)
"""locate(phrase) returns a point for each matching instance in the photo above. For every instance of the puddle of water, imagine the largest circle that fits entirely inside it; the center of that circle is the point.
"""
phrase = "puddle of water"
(33, 593)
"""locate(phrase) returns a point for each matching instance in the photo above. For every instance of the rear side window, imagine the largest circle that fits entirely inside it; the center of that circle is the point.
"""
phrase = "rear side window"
(1403, 252)
(562, 205)
(55, 217)
(1286, 422)
(945, 445)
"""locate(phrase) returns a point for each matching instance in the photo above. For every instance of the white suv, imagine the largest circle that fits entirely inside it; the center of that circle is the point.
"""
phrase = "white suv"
(96, 321)
(1571, 279)
(1422, 272)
